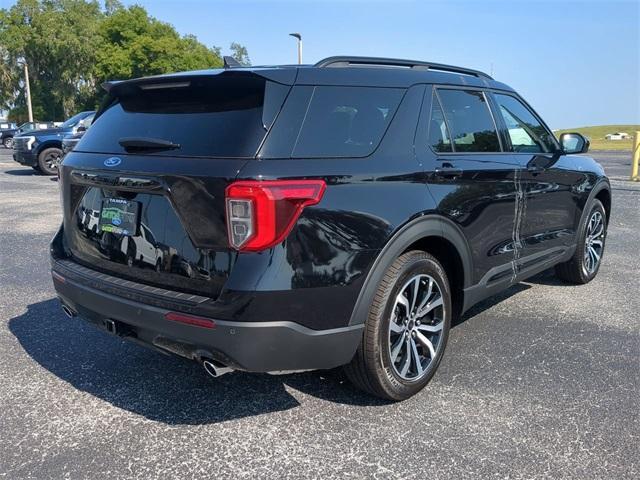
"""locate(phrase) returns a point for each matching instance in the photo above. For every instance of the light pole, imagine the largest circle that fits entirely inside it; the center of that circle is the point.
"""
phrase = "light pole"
(299, 37)
(27, 90)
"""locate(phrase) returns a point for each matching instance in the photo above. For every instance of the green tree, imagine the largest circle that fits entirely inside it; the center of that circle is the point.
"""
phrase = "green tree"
(135, 44)
(7, 80)
(240, 54)
(73, 46)
(56, 39)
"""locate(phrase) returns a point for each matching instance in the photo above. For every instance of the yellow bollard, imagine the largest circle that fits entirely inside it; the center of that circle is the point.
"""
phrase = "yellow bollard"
(635, 158)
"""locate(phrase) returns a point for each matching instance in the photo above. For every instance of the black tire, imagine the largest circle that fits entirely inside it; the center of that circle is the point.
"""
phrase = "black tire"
(576, 270)
(8, 142)
(372, 368)
(36, 168)
(47, 161)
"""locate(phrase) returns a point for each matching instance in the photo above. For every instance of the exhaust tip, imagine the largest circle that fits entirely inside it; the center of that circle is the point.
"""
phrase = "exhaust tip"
(215, 370)
(68, 312)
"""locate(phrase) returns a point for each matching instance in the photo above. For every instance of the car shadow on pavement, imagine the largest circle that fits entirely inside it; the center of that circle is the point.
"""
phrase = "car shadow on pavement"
(549, 277)
(24, 172)
(160, 387)
(480, 307)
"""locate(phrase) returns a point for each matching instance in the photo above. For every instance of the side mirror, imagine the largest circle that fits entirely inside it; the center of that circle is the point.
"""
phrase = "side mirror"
(81, 128)
(574, 143)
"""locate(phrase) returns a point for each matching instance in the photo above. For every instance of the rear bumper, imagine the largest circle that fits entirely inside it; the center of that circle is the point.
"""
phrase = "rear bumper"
(250, 346)
(29, 159)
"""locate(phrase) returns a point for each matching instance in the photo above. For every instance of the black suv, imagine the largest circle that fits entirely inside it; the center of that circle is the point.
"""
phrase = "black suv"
(306, 217)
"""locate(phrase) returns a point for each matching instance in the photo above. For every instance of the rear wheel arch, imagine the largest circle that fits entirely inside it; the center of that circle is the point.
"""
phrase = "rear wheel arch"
(601, 191)
(604, 195)
(446, 252)
(433, 234)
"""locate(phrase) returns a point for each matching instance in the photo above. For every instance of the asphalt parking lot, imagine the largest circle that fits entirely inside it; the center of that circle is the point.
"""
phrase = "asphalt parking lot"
(542, 381)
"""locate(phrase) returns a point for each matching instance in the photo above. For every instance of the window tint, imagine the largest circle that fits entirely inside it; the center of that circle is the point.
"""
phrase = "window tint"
(86, 122)
(220, 116)
(525, 131)
(346, 121)
(439, 138)
(73, 121)
(470, 121)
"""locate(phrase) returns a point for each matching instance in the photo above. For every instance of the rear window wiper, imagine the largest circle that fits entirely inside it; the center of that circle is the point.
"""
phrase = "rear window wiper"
(147, 143)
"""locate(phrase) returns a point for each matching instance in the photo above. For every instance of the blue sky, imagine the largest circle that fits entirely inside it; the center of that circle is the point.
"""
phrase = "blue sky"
(576, 62)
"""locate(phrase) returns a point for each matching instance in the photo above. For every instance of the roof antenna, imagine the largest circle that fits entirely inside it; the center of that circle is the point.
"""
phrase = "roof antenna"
(230, 62)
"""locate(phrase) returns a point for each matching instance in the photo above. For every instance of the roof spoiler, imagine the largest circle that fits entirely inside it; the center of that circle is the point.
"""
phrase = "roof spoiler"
(107, 86)
(230, 62)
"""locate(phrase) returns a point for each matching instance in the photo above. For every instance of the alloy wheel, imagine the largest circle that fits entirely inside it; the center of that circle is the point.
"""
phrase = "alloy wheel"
(52, 160)
(594, 242)
(415, 327)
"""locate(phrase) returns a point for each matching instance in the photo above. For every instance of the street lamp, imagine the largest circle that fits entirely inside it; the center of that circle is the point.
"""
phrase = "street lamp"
(299, 37)
(27, 89)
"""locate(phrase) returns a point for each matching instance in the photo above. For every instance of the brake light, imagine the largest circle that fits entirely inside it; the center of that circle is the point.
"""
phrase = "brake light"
(260, 214)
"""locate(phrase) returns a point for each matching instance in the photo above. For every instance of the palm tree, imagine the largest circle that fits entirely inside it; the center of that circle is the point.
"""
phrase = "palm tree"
(7, 85)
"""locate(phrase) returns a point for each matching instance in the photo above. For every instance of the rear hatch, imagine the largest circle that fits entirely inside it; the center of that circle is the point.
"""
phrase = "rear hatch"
(143, 191)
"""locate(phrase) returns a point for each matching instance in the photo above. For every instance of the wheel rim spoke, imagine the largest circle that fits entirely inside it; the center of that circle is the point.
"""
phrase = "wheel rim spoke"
(430, 306)
(599, 231)
(395, 328)
(431, 328)
(416, 358)
(404, 301)
(396, 349)
(414, 294)
(427, 295)
(407, 359)
(426, 343)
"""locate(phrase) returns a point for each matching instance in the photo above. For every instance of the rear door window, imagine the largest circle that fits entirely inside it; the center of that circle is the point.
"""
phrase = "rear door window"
(217, 116)
(526, 132)
(346, 121)
(469, 120)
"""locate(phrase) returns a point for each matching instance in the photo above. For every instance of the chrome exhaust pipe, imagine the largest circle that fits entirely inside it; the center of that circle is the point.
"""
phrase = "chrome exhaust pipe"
(68, 312)
(215, 369)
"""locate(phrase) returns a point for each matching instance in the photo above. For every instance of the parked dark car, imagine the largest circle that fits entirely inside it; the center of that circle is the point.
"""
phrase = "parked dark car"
(70, 140)
(7, 134)
(42, 149)
(307, 217)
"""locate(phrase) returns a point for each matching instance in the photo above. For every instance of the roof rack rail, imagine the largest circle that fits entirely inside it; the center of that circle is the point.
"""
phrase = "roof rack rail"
(345, 61)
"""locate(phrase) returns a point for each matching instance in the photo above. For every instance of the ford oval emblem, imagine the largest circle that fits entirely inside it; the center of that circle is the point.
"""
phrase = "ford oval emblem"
(112, 162)
(116, 221)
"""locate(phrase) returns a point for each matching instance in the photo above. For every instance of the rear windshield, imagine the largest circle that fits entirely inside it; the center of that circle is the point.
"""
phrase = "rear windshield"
(346, 121)
(221, 116)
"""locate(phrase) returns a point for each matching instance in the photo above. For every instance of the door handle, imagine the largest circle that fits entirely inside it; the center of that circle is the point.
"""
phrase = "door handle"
(448, 172)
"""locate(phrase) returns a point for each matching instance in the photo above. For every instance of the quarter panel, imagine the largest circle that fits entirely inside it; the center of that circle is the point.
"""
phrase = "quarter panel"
(319, 270)
(555, 199)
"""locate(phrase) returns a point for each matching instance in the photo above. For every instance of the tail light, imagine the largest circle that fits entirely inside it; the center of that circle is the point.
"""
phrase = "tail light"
(260, 214)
